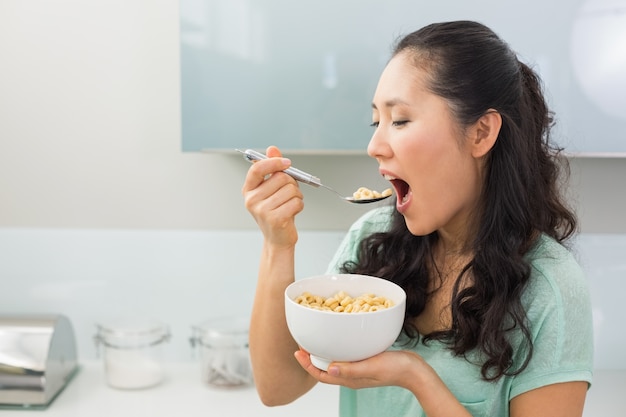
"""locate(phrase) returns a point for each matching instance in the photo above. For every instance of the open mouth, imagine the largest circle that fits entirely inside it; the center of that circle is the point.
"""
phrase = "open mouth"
(402, 189)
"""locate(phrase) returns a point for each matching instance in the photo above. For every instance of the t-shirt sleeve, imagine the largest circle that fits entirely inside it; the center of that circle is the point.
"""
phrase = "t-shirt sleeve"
(558, 307)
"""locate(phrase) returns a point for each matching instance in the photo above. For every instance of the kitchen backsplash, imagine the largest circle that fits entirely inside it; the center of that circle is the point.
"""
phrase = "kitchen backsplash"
(183, 278)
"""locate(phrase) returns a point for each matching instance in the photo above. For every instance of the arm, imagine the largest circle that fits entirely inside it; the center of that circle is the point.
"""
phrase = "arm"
(409, 370)
(274, 202)
(557, 400)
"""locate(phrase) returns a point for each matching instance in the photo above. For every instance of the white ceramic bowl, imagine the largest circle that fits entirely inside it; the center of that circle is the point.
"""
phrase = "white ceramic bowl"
(330, 336)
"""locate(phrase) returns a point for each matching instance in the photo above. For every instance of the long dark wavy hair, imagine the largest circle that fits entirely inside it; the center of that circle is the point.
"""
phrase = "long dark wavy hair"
(475, 71)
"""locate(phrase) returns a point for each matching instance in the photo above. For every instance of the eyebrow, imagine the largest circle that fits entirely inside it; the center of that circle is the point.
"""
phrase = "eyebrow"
(392, 103)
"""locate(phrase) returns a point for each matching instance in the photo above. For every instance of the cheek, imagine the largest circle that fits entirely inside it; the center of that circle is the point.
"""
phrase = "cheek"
(434, 162)
(459, 192)
(442, 188)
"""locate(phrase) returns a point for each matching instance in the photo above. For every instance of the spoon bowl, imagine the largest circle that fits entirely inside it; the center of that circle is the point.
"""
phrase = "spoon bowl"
(354, 200)
(306, 178)
(365, 200)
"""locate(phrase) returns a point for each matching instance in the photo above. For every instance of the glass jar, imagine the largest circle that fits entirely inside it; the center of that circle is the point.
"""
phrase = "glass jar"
(224, 353)
(132, 352)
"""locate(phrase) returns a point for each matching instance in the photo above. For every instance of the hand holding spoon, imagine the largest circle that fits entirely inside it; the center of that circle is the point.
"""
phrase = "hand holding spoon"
(306, 178)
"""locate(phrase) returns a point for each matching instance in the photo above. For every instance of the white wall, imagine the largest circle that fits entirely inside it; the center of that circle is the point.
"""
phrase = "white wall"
(97, 198)
(90, 126)
(90, 131)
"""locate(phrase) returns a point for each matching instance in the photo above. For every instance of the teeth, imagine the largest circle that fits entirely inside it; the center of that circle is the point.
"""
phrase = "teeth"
(388, 177)
(405, 199)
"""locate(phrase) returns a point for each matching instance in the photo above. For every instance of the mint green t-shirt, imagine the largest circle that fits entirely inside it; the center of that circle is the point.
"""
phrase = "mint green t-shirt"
(558, 307)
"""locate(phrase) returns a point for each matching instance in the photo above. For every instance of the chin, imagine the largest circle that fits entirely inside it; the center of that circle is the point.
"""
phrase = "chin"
(417, 229)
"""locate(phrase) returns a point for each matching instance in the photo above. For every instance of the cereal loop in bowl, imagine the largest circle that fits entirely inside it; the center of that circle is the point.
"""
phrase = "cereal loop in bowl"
(341, 302)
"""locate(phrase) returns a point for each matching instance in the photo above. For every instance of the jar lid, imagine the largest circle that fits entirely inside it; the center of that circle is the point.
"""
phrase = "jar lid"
(132, 332)
(230, 331)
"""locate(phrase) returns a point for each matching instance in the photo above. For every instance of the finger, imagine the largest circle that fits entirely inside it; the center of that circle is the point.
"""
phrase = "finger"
(273, 151)
(284, 200)
(279, 187)
(260, 170)
(304, 359)
(381, 369)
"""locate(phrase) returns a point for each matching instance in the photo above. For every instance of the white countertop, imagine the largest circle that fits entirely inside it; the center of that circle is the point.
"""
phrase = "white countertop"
(183, 393)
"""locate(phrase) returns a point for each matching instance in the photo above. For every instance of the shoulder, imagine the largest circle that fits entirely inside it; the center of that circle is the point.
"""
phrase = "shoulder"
(555, 270)
(373, 221)
(547, 251)
(558, 309)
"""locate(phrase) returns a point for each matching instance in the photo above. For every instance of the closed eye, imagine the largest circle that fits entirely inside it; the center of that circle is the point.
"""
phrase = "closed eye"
(400, 123)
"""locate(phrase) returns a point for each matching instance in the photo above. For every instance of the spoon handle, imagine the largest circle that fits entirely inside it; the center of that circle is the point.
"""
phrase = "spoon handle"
(251, 155)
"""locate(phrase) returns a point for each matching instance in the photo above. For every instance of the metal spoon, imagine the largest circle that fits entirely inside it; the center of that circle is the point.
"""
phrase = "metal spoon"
(306, 178)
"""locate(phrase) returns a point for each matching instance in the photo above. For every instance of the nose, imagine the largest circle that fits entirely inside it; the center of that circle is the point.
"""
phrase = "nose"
(378, 146)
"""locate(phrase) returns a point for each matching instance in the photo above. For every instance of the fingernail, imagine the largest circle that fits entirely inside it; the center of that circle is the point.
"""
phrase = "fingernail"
(286, 161)
(333, 370)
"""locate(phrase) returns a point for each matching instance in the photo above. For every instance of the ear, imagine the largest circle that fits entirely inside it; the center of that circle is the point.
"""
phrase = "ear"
(484, 133)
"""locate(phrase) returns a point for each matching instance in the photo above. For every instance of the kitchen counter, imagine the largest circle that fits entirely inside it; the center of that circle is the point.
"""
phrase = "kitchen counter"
(181, 394)
(184, 394)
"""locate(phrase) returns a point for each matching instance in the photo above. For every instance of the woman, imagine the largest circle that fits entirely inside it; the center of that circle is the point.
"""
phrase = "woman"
(498, 318)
